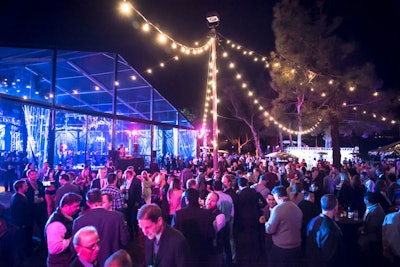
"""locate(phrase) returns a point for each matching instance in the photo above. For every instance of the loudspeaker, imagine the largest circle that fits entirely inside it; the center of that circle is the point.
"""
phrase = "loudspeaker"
(137, 163)
(113, 155)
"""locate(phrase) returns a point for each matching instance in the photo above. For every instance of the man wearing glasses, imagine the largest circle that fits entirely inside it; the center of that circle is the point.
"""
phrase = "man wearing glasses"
(87, 245)
(110, 225)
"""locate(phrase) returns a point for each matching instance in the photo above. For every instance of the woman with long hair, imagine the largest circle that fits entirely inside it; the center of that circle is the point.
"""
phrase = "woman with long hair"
(174, 197)
(29, 166)
(358, 192)
(344, 194)
(147, 184)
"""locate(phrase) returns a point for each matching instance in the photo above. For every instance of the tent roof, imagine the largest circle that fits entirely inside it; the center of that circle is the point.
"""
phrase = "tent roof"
(84, 80)
(388, 150)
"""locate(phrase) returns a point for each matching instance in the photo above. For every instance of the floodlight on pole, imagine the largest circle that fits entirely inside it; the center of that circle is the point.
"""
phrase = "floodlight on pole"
(213, 22)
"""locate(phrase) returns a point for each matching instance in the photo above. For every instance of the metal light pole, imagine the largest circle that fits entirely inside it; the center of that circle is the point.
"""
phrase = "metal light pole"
(213, 21)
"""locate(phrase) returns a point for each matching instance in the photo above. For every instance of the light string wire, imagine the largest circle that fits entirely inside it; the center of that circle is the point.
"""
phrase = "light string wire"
(267, 62)
(185, 49)
(257, 57)
(251, 94)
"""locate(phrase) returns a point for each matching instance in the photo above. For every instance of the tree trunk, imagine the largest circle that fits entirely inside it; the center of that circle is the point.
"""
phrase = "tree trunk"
(256, 141)
(280, 139)
(300, 101)
(300, 130)
(335, 142)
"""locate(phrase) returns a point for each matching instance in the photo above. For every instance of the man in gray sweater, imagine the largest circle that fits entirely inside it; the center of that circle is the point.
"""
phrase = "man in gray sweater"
(284, 225)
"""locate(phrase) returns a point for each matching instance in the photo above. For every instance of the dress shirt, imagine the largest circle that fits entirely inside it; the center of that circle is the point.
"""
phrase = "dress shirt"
(103, 183)
(370, 209)
(126, 185)
(225, 204)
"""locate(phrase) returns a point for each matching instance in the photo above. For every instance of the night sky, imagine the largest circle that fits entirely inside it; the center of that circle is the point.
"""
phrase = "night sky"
(95, 25)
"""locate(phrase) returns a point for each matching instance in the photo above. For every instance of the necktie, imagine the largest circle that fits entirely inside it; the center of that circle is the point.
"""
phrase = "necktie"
(156, 246)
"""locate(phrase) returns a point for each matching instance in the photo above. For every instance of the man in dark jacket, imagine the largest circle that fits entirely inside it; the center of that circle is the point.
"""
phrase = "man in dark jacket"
(21, 217)
(110, 225)
(246, 225)
(134, 201)
(196, 224)
(66, 187)
(163, 246)
(324, 237)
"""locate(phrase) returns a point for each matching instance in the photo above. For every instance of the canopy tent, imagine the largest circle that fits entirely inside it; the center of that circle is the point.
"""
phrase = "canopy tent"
(84, 80)
(92, 100)
(392, 149)
(281, 155)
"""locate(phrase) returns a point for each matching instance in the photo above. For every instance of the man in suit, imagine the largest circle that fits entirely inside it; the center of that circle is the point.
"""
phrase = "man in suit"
(164, 246)
(370, 233)
(196, 224)
(247, 226)
(309, 210)
(101, 181)
(36, 198)
(66, 187)
(110, 225)
(134, 201)
(87, 244)
(21, 217)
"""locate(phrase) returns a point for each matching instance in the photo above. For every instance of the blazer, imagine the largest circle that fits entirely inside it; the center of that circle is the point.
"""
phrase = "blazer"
(111, 227)
(135, 199)
(324, 242)
(67, 188)
(248, 211)
(77, 263)
(21, 213)
(173, 250)
(196, 225)
(372, 226)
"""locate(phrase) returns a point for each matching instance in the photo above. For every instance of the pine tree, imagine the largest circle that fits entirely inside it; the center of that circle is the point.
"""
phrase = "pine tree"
(318, 75)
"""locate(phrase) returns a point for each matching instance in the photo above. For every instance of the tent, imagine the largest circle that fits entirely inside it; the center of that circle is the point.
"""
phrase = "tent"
(392, 149)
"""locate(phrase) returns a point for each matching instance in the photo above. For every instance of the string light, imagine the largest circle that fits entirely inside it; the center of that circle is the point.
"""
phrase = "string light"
(311, 75)
(251, 95)
(126, 8)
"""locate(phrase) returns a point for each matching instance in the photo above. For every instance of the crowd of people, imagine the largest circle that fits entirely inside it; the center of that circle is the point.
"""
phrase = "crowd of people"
(243, 212)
